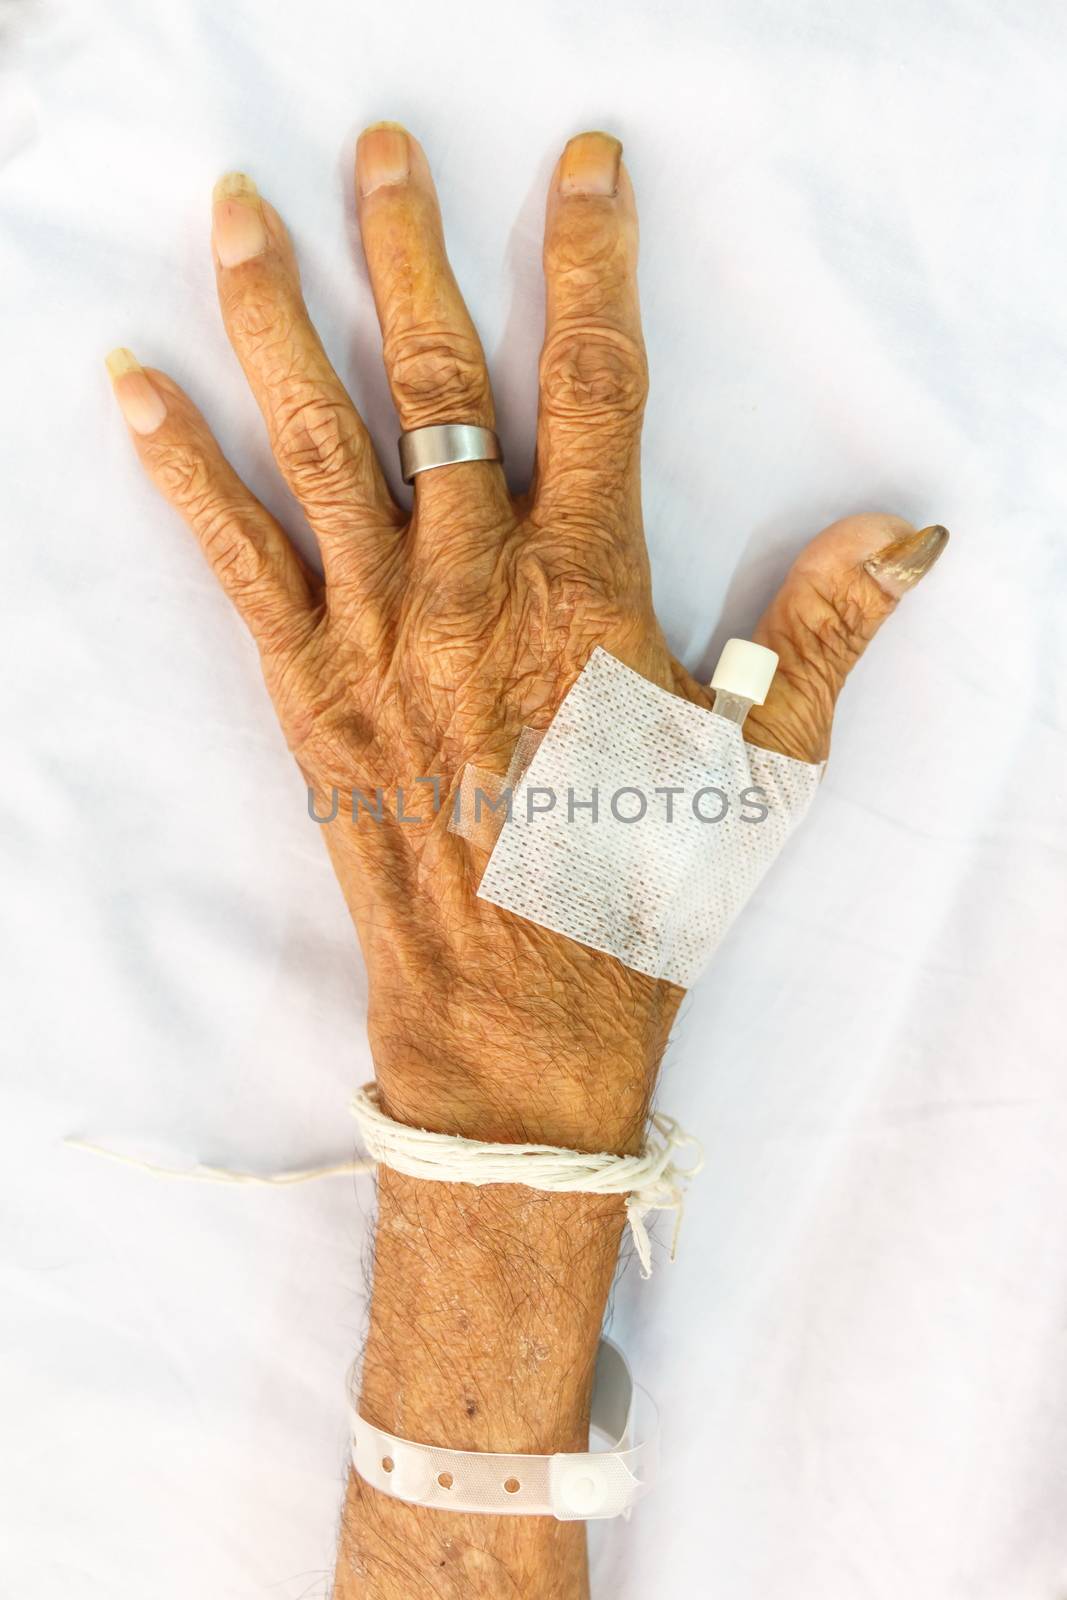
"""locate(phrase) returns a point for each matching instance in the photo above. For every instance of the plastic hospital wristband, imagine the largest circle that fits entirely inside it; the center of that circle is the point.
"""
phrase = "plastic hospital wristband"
(572, 1487)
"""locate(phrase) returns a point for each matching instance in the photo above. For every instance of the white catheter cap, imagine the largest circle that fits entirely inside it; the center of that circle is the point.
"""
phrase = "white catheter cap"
(746, 670)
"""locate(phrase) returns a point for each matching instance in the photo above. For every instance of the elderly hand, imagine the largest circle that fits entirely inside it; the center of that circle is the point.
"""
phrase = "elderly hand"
(429, 642)
(431, 639)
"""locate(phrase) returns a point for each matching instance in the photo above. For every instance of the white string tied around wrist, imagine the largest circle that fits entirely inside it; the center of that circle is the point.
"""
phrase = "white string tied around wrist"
(651, 1181)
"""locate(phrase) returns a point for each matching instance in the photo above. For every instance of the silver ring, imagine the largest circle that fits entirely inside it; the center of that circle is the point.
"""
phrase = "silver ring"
(445, 443)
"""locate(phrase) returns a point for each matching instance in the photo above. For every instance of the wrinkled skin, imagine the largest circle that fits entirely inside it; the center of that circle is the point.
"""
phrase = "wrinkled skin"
(433, 639)
(428, 642)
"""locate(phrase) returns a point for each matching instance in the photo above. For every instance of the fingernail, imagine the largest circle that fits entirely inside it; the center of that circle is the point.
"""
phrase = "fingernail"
(901, 564)
(139, 400)
(383, 156)
(590, 165)
(238, 230)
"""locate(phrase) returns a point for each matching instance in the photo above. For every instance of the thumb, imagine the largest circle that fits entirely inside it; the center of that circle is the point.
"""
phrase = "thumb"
(838, 593)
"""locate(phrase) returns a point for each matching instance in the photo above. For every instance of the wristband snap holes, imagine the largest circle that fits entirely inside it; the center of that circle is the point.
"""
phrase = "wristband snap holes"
(568, 1486)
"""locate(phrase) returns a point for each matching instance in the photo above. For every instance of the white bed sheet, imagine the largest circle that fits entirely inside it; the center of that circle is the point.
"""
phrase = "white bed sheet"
(854, 231)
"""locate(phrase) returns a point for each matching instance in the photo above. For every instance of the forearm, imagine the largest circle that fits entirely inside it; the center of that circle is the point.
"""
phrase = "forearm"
(485, 1317)
(488, 1302)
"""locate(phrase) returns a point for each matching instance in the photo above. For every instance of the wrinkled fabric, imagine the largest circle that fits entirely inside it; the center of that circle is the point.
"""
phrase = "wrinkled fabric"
(853, 234)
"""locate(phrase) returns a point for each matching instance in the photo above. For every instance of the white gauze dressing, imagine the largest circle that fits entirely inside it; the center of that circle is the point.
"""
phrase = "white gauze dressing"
(643, 823)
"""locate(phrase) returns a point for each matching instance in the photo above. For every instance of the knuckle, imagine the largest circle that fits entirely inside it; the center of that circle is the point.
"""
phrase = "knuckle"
(436, 371)
(571, 600)
(238, 561)
(316, 445)
(583, 592)
(258, 320)
(187, 481)
(589, 372)
(589, 557)
(183, 475)
(228, 534)
(591, 256)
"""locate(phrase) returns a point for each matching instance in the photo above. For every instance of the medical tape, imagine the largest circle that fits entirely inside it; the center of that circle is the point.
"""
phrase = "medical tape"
(637, 823)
